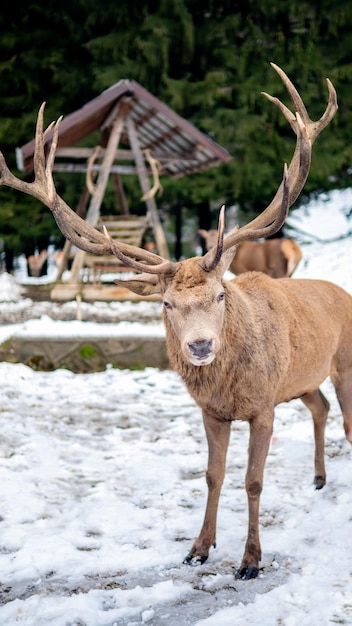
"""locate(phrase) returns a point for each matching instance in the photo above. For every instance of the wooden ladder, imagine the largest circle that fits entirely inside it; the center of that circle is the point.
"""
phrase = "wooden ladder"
(126, 228)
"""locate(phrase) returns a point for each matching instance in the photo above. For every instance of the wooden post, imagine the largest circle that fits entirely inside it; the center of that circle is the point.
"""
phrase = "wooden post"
(120, 193)
(160, 238)
(81, 209)
(178, 229)
(96, 200)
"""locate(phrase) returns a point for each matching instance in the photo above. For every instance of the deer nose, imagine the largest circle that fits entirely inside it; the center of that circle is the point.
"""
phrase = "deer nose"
(201, 349)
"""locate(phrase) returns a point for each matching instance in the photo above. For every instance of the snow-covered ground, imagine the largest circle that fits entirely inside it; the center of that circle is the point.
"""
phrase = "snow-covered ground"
(102, 485)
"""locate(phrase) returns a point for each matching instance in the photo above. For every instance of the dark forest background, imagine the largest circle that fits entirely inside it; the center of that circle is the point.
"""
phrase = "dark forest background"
(208, 60)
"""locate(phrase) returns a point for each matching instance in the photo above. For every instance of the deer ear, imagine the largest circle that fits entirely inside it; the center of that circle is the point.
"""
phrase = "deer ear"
(142, 284)
(227, 258)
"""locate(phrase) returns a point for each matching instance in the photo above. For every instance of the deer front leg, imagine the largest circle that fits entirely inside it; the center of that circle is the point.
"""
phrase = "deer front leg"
(259, 441)
(218, 434)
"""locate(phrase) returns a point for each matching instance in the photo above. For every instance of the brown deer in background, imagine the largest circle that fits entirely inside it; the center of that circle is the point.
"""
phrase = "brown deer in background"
(36, 262)
(276, 257)
(241, 346)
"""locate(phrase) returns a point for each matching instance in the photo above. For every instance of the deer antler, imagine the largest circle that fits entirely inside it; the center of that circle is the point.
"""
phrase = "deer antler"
(163, 267)
(73, 227)
(307, 131)
(273, 217)
(217, 250)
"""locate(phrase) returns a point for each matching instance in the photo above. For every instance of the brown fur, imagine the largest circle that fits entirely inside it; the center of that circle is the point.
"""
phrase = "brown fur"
(36, 262)
(276, 257)
(273, 340)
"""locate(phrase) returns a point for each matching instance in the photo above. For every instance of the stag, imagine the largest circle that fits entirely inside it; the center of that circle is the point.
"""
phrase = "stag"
(276, 257)
(241, 346)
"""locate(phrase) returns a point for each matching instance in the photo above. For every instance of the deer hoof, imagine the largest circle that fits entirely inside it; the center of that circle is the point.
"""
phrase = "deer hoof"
(191, 559)
(246, 573)
(319, 482)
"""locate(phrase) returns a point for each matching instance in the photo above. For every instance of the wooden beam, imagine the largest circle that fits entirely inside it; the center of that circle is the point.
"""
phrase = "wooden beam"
(86, 153)
(82, 167)
(160, 238)
(96, 200)
(124, 155)
(120, 194)
(81, 209)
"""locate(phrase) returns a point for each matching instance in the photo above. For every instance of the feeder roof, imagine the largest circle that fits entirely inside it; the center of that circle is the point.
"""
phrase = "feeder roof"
(179, 146)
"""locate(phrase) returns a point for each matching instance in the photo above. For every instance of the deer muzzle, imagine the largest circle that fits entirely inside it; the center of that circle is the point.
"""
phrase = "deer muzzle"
(201, 352)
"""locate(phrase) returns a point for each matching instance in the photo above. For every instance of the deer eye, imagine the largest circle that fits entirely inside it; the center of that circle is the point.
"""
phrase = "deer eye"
(221, 296)
(167, 305)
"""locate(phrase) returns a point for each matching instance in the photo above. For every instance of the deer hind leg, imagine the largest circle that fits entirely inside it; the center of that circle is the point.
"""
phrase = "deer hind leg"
(343, 387)
(218, 434)
(319, 408)
(259, 441)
